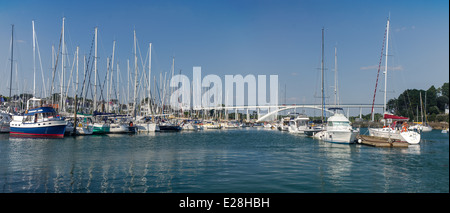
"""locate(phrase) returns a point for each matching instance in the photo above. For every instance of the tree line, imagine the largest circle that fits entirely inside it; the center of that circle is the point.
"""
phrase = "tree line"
(434, 102)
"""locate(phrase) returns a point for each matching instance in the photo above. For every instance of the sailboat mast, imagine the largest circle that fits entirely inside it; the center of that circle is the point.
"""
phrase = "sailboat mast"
(322, 67)
(62, 68)
(149, 74)
(118, 88)
(135, 75)
(76, 85)
(95, 70)
(34, 60)
(385, 66)
(12, 59)
(335, 76)
(421, 107)
(111, 75)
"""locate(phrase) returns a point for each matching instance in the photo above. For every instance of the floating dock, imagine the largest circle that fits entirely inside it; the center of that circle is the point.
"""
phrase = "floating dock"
(380, 142)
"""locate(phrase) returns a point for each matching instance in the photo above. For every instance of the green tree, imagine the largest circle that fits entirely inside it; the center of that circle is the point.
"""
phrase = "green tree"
(431, 97)
(444, 90)
(441, 101)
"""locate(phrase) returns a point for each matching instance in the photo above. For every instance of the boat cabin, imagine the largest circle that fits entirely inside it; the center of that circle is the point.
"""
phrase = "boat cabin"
(40, 114)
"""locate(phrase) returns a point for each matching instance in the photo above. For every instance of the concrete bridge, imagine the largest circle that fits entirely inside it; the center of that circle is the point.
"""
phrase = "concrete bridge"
(274, 110)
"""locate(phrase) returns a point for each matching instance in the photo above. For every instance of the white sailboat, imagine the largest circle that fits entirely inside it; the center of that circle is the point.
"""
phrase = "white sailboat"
(422, 126)
(396, 128)
(82, 126)
(146, 123)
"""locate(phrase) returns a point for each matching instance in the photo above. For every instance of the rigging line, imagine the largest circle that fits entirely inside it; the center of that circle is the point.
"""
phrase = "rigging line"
(378, 73)
(40, 62)
(56, 66)
(87, 70)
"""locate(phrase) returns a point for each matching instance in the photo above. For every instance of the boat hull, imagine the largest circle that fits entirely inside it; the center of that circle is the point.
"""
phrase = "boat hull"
(100, 128)
(147, 127)
(121, 128)
(169, 128)
(33, 130)
(409, 136)
(344, 137)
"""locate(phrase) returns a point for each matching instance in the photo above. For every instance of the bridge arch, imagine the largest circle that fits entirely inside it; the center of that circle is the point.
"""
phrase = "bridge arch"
(263, 118)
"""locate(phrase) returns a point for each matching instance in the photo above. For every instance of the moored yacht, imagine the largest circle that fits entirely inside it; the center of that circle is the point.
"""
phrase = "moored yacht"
(396, 129)
(41, 122)
(299, 124)
(337, 129)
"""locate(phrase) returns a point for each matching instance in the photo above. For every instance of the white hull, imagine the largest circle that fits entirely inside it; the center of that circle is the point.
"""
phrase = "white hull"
(337, 136)
(147, 127)
(84, 130)
(421, 128)
(409, 136)
(119, 128)
(297, 130)
(212, 127)
(189, 126)
(426, 129)
(87, 130)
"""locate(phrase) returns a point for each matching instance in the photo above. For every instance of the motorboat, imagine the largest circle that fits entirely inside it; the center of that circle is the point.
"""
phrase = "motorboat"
(338, 129)
(298, 124)
(41, 121)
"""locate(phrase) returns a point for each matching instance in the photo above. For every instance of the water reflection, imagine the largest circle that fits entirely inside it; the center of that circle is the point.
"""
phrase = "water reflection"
(216, 161)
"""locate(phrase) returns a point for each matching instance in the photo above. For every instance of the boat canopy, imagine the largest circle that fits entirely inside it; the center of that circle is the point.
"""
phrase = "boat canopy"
(40, 110)
(394, 117)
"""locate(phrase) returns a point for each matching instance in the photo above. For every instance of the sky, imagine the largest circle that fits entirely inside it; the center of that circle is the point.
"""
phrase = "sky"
(257, 37)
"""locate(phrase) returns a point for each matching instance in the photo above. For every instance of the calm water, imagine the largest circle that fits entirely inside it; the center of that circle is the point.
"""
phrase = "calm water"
(244, 160)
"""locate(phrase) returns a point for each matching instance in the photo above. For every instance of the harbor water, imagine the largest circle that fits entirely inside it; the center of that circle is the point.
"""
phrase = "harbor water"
(211, 161)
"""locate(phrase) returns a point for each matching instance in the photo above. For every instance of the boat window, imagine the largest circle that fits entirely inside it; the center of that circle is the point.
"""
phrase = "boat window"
(29, 118)
(339, 123)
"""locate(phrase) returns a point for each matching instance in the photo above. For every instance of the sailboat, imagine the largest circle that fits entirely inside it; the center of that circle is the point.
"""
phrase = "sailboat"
(396, 128)
(421, 126)
(315, 128)
(338, 128)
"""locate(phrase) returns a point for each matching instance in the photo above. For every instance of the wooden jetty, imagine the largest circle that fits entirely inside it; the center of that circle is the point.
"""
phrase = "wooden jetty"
(380, 142)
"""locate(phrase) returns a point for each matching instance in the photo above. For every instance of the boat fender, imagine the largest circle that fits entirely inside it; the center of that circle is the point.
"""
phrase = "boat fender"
(404, 127)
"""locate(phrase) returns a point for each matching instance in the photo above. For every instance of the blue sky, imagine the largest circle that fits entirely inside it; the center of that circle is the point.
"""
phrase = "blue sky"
(245, 37)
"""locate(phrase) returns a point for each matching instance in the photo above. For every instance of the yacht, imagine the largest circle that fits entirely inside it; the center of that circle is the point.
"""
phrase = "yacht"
(145, 124)
(396, 129)
(337, 129)
(41, 122)
(299, 124)
(82, 126)
(121, 125)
